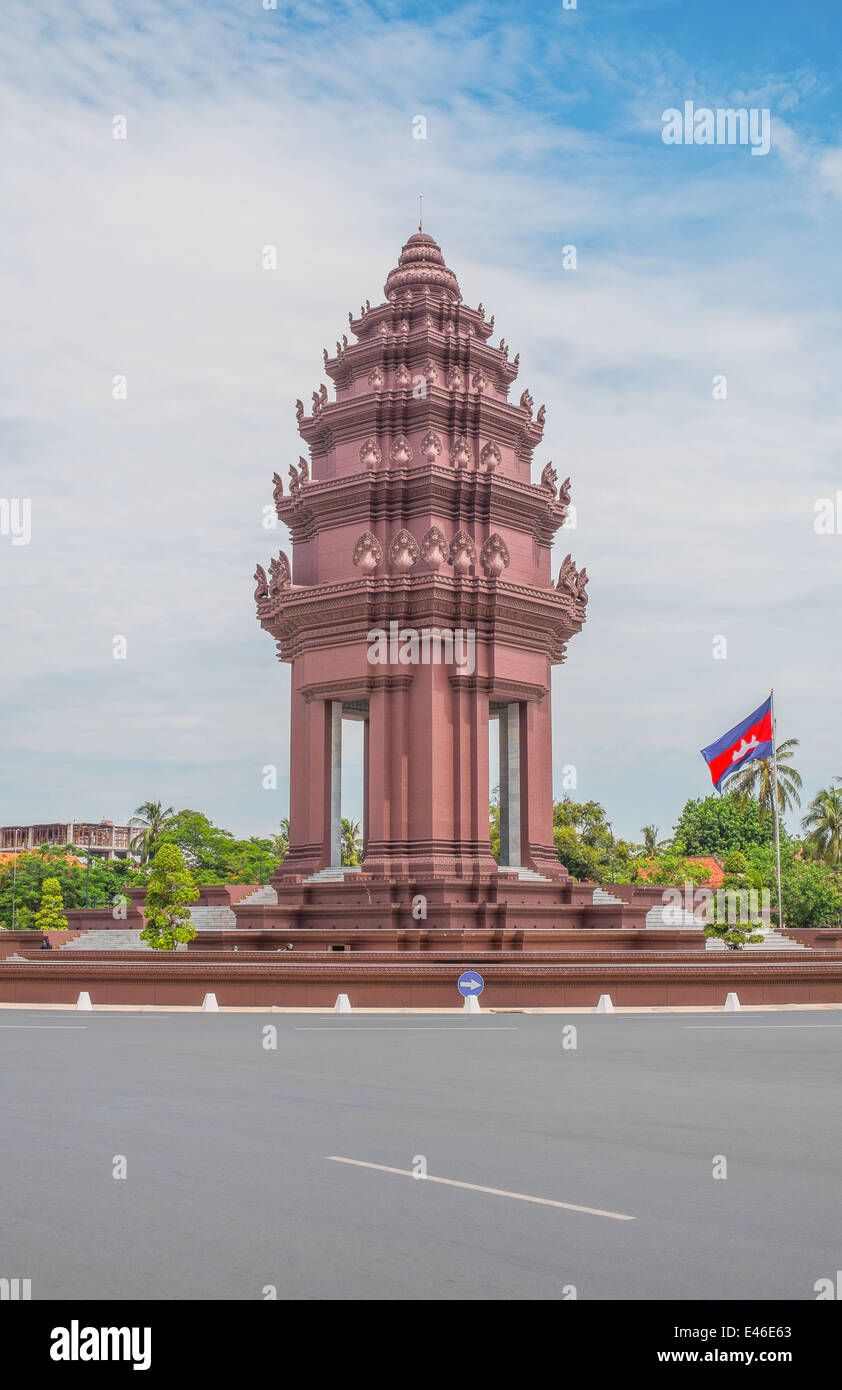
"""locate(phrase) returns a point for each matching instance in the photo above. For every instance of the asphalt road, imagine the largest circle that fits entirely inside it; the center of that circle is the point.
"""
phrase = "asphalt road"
(232, 1187)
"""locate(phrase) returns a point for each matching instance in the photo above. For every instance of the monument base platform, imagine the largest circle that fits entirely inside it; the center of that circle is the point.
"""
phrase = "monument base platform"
(498, 904)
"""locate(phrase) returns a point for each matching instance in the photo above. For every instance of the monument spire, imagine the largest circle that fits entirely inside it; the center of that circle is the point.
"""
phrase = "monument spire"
(417, 515)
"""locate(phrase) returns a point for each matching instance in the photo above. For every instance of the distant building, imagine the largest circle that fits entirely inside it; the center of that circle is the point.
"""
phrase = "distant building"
(104, 839)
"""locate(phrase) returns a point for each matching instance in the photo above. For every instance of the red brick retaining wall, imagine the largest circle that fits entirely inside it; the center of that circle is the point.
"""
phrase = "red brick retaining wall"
(641, 982)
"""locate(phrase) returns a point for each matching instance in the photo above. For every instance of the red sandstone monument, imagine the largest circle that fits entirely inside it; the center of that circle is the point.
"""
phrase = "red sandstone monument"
(420, 600)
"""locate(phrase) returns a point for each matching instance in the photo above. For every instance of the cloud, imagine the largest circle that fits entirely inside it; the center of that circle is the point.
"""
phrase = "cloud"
(143, 258)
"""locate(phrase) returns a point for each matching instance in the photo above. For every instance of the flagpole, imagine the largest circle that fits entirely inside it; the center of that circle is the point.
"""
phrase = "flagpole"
(775, 808)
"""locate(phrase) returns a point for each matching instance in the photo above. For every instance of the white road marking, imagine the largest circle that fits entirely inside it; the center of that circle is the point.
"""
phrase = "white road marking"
(703, 1026)
(473, 1187)
(412, 1028)
(44, 1025)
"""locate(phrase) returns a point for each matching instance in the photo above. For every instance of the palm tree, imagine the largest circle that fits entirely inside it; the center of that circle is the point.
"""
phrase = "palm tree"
(351, 842)
(650, 837)
(824, 821)
(154, 821)
(753, 781)
(280, 843)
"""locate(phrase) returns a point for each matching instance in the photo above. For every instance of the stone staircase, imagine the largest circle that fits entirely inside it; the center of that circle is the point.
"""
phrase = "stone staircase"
(327, 876)
(107, 939)
(669, 917)
(217, 918)
(264, 894)
(773, 940)
(602, 898)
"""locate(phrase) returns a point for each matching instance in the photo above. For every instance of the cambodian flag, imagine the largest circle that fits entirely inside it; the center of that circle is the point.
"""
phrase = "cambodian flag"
(750, 739)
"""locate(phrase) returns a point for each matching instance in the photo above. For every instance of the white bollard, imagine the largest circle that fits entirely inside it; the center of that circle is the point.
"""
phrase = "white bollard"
(471, 1004)
(732, 1004)
(209, 1004)
(84, 1000)
(342, 1005)
(605, 1006)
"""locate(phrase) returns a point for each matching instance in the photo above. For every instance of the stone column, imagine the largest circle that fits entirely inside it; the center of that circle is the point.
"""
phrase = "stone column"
(366, 790)
(336, 784)
(509, 719)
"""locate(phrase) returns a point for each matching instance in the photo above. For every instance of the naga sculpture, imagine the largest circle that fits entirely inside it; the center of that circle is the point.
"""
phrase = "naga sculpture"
(462, 553)
(368, 553)
(434, 548)
(431, 446)
(490, 456)
(494, 556)
(262, 589)
(280, 575)
(401, 451)
(460, 454)
(404, 551)
(549, 478)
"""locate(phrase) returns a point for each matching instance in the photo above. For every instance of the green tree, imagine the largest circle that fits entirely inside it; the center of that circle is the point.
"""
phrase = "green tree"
(280, 843)
(824, 822)
(352, 844)
(21, 884)
(169, 894)
(718, 824)
(755, 779)
(735, 862)
(152, 819)
(586, 845)
(666, 867)
(494, 823)
(650, 838)
(50, 916)
(731, 908)
(812, 896)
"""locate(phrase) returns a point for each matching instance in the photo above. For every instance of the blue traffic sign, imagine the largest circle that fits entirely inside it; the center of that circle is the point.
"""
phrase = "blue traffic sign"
(470, 983)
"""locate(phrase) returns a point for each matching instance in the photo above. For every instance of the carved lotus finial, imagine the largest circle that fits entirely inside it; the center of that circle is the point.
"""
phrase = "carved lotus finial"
(479, 381)
(460, 454)
(402, 377)
(490, 456)
(401, 451)
(494, 556)
(434, 548)
(375, 379)
(454, 379)
(370, 454)
(431, 372)
(462, 553)
(404, 551)
(431, 446)
(368, 553)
